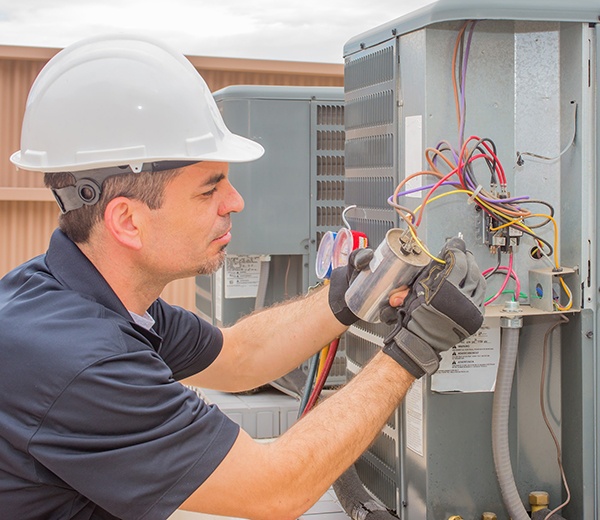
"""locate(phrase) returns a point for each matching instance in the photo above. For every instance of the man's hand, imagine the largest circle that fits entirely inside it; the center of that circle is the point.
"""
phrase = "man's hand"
(444, 307)
(340, 280)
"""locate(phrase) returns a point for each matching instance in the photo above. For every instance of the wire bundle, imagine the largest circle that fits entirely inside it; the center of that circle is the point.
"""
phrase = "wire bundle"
(504, 213)
(319, 369)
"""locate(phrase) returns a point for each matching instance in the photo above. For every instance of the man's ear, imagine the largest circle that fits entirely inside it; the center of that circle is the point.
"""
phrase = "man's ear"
(121, 219)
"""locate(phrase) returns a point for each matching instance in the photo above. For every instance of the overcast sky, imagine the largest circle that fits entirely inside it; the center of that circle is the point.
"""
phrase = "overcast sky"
(309, 30)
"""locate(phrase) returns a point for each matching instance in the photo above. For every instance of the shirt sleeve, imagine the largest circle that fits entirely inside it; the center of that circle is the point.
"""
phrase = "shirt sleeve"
(130, 438)
(189, 343)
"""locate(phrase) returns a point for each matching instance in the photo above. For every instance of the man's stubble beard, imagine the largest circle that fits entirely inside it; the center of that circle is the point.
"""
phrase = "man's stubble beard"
(213, 265)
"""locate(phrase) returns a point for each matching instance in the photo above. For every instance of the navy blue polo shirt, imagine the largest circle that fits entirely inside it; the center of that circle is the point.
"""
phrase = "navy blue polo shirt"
(93, 423)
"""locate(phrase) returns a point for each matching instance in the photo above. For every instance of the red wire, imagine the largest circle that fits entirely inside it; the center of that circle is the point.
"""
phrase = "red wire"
(491, 156)
(499, 168)
(457, 170)
(430, 192)
(333, 346)
(509, 272)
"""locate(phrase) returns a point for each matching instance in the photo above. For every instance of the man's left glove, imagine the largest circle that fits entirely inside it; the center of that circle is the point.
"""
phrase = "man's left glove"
(340, 280)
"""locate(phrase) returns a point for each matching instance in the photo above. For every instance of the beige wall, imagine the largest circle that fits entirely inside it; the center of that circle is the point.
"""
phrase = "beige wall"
(28, 213)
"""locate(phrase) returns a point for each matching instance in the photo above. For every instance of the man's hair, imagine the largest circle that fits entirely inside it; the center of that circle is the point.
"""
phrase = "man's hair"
(147, 187)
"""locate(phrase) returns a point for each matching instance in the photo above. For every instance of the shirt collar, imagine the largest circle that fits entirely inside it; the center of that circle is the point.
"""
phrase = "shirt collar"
(74, 270)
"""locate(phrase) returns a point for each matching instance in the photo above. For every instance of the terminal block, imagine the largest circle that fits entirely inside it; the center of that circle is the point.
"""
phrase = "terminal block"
(503, 239)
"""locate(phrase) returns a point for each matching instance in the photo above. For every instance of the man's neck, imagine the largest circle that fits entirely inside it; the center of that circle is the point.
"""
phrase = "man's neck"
(135, 288)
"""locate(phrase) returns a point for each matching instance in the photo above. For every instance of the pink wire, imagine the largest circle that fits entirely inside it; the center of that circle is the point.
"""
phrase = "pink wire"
(509, 273)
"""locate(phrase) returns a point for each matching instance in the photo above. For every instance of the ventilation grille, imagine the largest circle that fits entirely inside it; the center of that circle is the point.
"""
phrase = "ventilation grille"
(371, 178)
(328, 196)
(385, 450)
(329, 216)
(371, 110)
(370, 152)
(370, 192)
(380, 485)
(330, 165)
(359, 350)
(375, 229)
(330, 115)
(379, 329)
(374, 68)
(330, 140)
(330, 190)
(330, 168)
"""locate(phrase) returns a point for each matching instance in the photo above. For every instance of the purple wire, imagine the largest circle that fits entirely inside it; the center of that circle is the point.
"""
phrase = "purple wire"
(463, 81)
(457, 185)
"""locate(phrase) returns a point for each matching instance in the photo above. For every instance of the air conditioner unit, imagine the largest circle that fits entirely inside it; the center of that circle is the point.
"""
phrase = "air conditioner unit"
(294, 194)
(524, 75)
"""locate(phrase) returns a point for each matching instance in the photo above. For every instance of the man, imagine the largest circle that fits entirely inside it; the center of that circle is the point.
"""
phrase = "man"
(93, 420)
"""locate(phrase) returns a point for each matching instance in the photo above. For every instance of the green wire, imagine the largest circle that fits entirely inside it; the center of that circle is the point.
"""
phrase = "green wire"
(521, 295)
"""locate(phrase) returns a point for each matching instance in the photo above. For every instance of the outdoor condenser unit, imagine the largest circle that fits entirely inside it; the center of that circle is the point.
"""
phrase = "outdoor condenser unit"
(293, 195)
(519, 80)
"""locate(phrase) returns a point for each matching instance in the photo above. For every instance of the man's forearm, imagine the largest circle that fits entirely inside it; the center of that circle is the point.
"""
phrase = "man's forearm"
(334, 434)
(269, 343)
(284, 478)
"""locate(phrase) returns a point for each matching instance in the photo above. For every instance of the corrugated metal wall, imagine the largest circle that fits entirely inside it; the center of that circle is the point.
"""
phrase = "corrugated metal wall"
(28, 213)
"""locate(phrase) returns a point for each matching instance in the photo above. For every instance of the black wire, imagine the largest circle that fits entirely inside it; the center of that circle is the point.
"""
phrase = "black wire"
(495, 270)
(468, 170)
(543, 203)
(524, 230)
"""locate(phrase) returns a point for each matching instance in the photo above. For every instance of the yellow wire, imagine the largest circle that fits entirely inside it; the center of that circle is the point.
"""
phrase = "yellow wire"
(422, 246)
(566, 289)
(451, 192)
(479, 201)
(511, 221)
(522, 224)
(322, 358)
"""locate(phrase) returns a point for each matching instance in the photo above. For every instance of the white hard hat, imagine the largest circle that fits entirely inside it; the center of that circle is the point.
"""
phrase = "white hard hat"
(123, 100)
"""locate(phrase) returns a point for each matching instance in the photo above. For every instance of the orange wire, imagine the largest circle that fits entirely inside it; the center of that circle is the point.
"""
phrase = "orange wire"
(454, 85)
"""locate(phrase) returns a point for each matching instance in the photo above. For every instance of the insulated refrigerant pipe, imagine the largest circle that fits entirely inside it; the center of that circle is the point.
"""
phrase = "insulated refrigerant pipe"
(356, 500)
(500, 413)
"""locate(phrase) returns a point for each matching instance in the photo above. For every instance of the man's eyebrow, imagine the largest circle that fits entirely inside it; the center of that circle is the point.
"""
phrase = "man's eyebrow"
(214, 179)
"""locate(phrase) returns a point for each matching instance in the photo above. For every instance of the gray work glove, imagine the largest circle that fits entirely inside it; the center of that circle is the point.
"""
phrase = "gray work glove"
(340, 280)
(444, 307)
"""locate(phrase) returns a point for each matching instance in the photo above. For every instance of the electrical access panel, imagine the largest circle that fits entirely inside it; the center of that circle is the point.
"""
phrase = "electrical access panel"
(479, 120)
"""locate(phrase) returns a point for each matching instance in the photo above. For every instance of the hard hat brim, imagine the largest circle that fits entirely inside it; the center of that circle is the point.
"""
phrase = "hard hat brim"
(233, 149)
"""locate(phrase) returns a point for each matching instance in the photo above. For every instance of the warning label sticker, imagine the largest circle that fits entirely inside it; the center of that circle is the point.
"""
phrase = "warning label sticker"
(414, 417)
(471, 366)
(242, 275)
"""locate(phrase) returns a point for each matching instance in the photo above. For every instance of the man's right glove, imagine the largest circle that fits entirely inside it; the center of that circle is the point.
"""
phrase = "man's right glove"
(340, 280)
(444, 307)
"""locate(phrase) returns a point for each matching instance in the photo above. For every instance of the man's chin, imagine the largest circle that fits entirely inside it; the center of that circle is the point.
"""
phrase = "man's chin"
(213, 265)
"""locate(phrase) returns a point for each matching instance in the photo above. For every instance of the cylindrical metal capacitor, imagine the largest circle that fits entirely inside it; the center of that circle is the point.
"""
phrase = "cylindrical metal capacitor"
(397, 261)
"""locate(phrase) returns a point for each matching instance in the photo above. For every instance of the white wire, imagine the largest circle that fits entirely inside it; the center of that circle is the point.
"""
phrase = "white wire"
(344, 216)
(541, 158)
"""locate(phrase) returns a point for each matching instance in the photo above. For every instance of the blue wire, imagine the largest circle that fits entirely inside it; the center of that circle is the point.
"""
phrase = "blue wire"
(310, 382)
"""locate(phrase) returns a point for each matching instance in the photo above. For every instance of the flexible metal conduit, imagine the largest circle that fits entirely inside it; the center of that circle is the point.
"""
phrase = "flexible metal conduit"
(500, 413)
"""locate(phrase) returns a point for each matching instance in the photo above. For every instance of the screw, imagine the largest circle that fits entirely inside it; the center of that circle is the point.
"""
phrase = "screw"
(589, 334)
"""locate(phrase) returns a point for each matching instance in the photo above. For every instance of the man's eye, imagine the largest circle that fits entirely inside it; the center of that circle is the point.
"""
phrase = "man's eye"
(210, 192)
